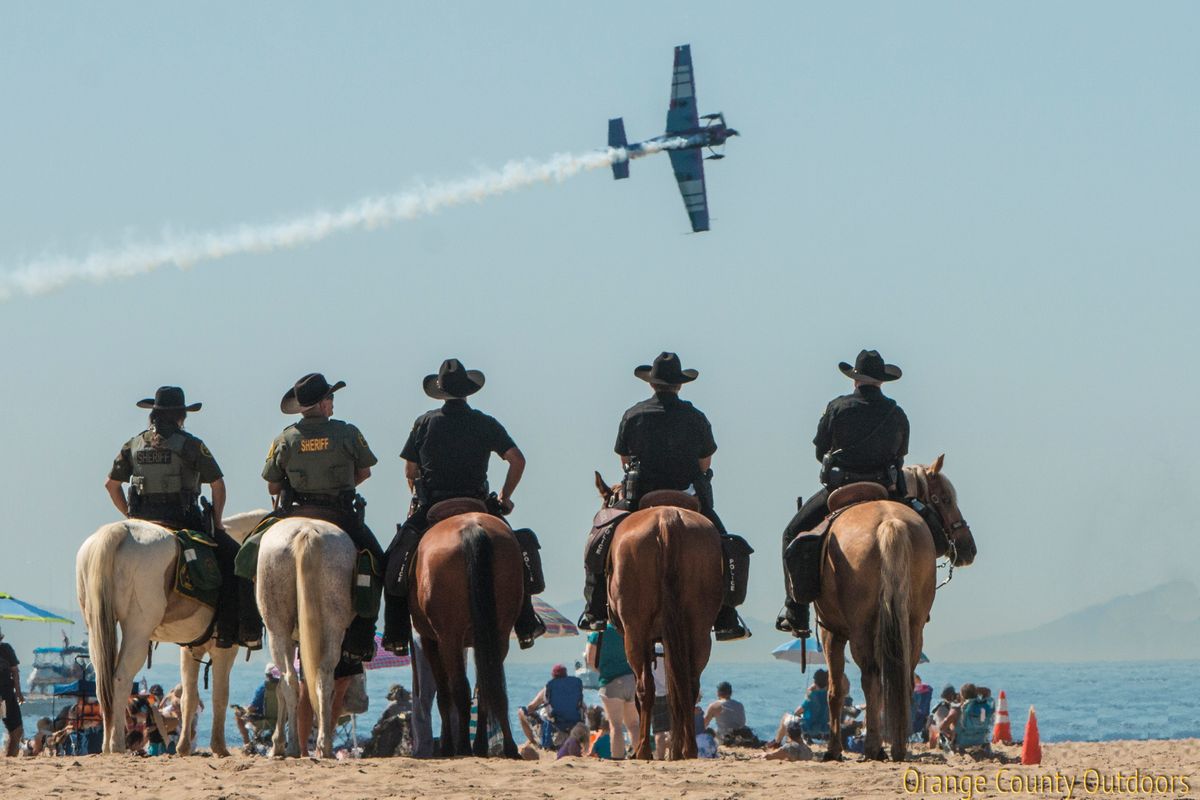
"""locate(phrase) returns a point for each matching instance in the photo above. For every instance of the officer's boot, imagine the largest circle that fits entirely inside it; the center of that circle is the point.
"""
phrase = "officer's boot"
(595, 601)
(529, 625)
(794, 619)
(729, 627)
(249, 620)
(397, 626)
(359, 642)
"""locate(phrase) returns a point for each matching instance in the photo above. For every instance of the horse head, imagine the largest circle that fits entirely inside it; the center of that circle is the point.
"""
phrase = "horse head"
(931, 486)
(611, 495)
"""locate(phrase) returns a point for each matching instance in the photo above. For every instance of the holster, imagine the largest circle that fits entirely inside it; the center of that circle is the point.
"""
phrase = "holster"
(802, 567)
(535, 581)
(736, 557)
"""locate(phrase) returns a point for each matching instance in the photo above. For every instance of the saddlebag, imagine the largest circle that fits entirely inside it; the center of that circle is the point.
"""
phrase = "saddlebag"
(802, 565)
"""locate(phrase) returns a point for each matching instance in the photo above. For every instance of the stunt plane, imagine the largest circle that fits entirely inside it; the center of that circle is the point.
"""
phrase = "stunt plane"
(684, 140)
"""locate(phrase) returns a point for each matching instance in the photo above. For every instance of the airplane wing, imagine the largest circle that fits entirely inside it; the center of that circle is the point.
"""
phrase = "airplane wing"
(689, 174)
(681, 115)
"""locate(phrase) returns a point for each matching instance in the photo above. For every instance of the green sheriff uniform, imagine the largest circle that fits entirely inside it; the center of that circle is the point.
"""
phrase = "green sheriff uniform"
(316, 459)
(164, 468)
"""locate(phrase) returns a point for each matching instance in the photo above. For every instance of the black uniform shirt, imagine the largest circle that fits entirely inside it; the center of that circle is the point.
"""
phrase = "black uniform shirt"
(452, 445)
(869, 429)
(668, 436)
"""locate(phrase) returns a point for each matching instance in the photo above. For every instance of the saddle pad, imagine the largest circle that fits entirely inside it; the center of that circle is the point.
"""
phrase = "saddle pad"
(854, 493)
(444, 509)
(245, 564)
(197, 574)
(669, 497)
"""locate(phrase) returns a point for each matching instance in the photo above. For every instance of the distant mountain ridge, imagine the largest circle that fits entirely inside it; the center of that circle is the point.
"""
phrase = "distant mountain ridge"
(1161, 623)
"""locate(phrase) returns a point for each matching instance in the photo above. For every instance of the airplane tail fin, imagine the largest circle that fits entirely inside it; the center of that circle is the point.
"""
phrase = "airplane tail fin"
(616, 139)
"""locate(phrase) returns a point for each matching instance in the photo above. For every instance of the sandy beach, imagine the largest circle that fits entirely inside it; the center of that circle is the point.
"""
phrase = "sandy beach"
(1157, 768)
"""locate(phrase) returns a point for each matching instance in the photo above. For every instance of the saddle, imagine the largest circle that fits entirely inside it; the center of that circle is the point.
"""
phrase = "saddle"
(669, 497)
(452, 507)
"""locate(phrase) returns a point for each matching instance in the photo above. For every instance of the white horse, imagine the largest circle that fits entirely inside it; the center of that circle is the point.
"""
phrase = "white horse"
(124, 574)
(305, 575)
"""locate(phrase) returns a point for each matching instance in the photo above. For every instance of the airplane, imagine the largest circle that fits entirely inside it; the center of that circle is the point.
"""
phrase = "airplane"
(685, 140)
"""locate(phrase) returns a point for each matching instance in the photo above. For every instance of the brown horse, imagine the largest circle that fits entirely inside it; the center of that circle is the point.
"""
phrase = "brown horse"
(467, 588)
(878, 579)
(665, 585)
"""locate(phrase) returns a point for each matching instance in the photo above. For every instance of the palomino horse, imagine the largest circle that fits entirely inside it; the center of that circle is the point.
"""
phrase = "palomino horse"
(466, 591)
(877, 585)
(665, 584)
(124, 573)
(303, 584)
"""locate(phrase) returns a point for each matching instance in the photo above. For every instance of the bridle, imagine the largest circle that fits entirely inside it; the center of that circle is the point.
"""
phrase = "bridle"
(939, 498)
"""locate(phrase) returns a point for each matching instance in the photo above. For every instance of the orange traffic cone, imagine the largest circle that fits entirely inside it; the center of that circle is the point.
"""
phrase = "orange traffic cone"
(1031, 749)
(1003, 730)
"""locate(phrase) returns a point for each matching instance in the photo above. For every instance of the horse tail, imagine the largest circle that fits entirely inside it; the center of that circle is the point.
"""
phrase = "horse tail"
(677, 633)
(481, 599)
(95, 584)
(309, 605)
(893, 643)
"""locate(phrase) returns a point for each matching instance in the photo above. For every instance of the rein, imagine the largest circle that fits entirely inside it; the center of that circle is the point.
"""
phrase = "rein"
(935, 499)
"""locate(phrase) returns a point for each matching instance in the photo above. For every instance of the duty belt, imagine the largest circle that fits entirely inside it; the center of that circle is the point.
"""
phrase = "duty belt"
(325, 500)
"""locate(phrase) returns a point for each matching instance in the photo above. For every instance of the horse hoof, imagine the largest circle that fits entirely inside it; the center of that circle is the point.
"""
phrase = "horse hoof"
(832, 757)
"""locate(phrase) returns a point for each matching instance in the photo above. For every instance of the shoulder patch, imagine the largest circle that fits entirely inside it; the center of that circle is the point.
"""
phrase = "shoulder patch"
(204, 451)
(361, 441)
(271, 452)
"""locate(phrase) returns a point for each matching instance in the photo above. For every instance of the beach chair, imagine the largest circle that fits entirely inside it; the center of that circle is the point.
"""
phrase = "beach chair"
(974, 729)
(922, 698)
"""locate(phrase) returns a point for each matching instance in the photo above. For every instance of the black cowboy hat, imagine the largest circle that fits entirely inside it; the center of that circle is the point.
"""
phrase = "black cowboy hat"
(665, 369)
(168, 398)
(453, 381)
(308, 391)
(869, 365)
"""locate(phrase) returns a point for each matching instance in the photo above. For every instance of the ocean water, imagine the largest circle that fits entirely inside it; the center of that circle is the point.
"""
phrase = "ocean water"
(1076, 702)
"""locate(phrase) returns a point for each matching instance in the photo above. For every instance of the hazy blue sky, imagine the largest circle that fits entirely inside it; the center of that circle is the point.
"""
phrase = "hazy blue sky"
(1002, 200)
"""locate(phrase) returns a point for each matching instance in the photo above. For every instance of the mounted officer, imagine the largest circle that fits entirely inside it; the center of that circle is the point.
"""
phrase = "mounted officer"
(164, 466)
(667, 443)
(312, 469)
(862, 436)
(446, 457)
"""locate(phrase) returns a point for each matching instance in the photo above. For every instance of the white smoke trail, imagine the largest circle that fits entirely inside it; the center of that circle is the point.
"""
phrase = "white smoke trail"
(184, 250)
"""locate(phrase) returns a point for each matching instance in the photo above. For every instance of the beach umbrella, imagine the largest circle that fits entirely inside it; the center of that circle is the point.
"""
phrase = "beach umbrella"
(791, 649)
(556, 624)
(12, 608)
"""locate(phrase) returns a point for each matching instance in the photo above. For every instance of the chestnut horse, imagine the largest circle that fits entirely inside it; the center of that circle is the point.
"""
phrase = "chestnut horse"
(466, 591)
(878, 579)
(665, 584)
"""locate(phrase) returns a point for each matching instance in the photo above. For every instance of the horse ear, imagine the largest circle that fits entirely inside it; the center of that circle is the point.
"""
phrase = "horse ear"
(602, 487)
(936, 467)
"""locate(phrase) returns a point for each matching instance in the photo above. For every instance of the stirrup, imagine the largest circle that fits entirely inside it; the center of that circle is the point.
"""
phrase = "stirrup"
(396, 647)
(732, 633)
(588, 622)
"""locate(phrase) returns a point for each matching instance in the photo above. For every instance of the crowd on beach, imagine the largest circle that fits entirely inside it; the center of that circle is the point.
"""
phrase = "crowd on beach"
(556, 721)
